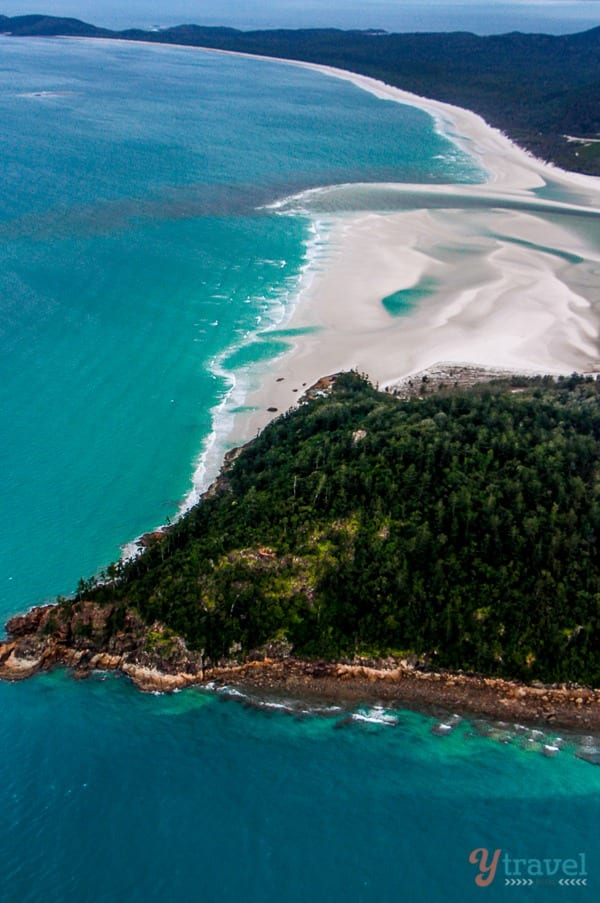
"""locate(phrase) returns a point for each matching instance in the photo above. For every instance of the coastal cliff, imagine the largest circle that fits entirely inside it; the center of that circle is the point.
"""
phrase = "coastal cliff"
(83, 636)
(83, 639)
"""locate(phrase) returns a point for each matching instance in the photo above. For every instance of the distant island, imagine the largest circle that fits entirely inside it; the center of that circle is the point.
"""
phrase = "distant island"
(543, 91)
(436, 549)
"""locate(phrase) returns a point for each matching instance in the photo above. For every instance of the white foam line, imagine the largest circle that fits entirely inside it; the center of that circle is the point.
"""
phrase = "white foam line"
(210, 459)
(305, 202)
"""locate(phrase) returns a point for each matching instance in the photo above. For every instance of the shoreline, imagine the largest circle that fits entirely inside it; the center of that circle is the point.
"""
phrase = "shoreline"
(43, 640)
(517, 308)
(395, 685)
(513, 307)
(460, 125)
(399, 685)
(489, 301)
(480, 138)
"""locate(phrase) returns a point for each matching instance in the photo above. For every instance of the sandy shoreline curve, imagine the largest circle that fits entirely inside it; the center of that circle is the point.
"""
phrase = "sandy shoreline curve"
(504, 287)
(510, 167)
(508, 288)
(505, 277)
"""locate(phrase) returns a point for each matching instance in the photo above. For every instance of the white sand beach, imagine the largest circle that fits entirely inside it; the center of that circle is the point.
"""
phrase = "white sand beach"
(507, 281)
(508, 288)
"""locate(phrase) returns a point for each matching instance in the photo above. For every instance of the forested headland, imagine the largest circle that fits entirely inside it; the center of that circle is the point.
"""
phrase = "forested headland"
(459, 528)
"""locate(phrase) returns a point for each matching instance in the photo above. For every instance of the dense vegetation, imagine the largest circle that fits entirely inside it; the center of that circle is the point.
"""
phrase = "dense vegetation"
(462, 526)
(537, 88)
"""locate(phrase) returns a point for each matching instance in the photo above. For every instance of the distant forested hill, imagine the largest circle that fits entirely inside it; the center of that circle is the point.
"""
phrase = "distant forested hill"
(536, 88)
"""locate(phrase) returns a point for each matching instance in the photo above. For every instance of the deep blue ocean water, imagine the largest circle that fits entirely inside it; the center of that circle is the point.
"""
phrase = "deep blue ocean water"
(137, 264)
(116, 797)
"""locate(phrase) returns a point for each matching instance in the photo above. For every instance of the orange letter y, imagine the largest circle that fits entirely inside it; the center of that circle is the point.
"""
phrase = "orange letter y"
(487, 873)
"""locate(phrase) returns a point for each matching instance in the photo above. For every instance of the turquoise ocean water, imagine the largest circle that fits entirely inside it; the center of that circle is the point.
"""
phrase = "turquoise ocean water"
(138, 262)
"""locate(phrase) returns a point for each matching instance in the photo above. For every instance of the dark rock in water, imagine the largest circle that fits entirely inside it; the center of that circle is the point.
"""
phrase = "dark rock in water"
(550, 750)
(441, 730)
(483, 728)
(589, 755)
(589, 750)
(346, 721)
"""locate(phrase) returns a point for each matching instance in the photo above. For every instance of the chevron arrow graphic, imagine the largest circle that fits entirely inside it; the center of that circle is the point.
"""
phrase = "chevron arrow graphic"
(518, 882)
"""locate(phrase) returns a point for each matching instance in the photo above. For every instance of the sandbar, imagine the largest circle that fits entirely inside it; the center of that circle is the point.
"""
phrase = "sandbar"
(509, 277)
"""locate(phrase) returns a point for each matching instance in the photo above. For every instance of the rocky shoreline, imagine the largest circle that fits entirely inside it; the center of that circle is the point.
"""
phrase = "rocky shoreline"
(82, 636)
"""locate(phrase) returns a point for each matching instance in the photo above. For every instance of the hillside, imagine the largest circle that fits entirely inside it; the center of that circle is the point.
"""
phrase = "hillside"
(459, 527)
